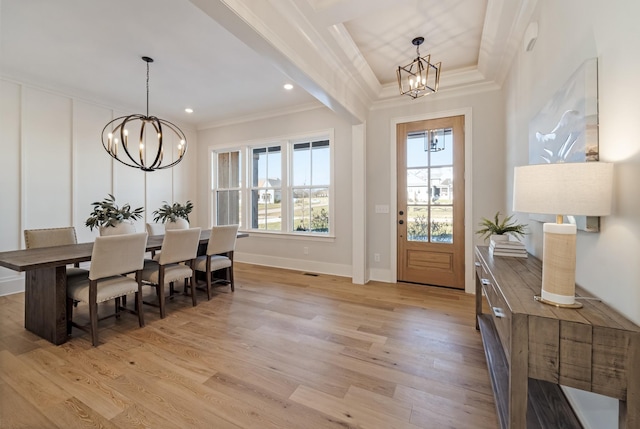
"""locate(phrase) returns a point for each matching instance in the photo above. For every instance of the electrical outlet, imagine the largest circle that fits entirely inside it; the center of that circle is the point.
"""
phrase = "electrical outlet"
(305, 250)
(376, 257)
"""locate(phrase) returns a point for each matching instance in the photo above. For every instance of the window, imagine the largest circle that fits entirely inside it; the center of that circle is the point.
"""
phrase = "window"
(287, 185)
(228, 196)
(311, 168)
(266, 188)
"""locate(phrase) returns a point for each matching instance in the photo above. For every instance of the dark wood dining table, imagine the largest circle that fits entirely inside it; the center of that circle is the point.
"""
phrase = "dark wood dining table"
(46, 282)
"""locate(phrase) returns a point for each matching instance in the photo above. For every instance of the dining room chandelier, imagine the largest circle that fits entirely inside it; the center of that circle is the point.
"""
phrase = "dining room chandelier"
(420, 77)
(148, 154)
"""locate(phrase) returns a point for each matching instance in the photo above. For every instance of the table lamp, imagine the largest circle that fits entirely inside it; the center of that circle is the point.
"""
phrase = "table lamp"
(582, 188)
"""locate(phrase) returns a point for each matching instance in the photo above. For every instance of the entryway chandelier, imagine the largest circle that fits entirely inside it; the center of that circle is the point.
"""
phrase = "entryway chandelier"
(149, 154)
(420, 77)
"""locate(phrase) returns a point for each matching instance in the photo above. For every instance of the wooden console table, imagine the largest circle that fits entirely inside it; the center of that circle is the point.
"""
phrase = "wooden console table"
(532, 348)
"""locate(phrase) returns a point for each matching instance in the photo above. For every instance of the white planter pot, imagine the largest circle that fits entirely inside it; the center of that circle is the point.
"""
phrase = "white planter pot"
(178, 224)
(119, 229)
(503, 237)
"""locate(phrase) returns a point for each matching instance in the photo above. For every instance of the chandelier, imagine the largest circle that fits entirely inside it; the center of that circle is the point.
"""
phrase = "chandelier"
(149, 154)
(419, 77)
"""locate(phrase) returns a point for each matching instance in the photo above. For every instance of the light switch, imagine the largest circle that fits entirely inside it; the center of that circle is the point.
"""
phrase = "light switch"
(382, 208)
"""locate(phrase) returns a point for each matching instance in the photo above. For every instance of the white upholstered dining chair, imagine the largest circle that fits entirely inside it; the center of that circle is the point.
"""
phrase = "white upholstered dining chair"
(49, 237)
(155, 228)
(219, 256)
(112, 258)
(174, 263)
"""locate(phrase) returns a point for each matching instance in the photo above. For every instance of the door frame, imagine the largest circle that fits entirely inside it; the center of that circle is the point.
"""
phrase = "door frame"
(469, 285)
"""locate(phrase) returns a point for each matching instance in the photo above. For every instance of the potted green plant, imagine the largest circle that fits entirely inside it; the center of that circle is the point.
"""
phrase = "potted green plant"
(174, 216)
(500, 230)
(112, 219)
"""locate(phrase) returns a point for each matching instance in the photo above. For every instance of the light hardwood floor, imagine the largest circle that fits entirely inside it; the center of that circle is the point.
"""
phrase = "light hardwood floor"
(285, 350)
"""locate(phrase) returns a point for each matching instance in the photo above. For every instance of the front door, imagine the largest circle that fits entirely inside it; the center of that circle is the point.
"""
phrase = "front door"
(430, 214)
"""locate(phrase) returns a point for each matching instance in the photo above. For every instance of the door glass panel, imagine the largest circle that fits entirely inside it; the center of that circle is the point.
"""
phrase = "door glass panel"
(417, 223)
(430, 186)
(442, 185)
(441, 147)
(416, 155)
(442, 224)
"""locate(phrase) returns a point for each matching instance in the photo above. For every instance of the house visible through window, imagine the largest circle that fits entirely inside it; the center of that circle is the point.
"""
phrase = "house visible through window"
(266, 188)
(286, 183)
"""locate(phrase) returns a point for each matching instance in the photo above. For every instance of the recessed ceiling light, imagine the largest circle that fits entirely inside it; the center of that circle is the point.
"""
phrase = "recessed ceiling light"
(188, 110)
(288, 86)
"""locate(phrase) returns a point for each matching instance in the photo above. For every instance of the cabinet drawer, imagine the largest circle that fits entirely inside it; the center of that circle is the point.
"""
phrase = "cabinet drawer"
(499, 311)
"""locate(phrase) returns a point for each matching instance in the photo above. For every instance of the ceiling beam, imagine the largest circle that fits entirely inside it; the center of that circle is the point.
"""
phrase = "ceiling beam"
(279, 32)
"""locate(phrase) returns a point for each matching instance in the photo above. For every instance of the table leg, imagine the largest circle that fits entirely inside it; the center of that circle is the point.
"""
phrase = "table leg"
(45, 303)
(518, 372)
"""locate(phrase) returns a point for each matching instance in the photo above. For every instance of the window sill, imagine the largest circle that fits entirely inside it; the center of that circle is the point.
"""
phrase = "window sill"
(289, 235)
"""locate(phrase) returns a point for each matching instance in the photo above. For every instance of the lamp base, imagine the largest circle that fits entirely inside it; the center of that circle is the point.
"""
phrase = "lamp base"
(555, 304)
(559, 264)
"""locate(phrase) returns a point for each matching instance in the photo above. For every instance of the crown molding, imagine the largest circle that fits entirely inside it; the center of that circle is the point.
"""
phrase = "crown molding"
(504, 27)
(260, 116)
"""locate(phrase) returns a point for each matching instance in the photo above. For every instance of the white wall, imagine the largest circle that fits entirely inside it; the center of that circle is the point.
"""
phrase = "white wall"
(324, 255)
(570, 32)
(53, 167)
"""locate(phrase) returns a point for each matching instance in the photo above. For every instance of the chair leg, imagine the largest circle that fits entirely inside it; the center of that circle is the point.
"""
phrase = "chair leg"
(139, 307)
(161, 292)
(193, 287)
(117, 301)
(161, 299)
(93, 314)
(208, 275)
(70, 305)
(233, 288)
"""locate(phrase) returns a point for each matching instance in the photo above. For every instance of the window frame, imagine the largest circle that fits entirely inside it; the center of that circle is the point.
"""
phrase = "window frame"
(286, 144)
(214, 182)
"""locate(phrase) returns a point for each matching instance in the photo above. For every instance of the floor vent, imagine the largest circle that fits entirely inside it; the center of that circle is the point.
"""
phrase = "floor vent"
(310, 274)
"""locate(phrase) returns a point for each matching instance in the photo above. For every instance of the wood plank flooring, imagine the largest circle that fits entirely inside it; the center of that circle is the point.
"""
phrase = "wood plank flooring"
(285, 350)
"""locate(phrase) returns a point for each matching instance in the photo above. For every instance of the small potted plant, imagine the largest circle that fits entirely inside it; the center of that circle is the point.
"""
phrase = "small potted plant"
(174, 216)
(500, 230)
(111, 219)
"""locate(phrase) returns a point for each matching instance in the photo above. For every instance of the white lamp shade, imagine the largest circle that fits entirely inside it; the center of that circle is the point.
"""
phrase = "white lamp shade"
(582, 188)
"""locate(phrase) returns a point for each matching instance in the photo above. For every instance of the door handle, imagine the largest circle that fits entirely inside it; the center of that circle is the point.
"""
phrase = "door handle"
(401, 213)
(400, 221)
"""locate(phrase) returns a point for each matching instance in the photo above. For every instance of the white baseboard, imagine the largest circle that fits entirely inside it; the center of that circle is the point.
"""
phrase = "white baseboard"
(294, 264)
(380, 275)
(593, 410)
(11, 284)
